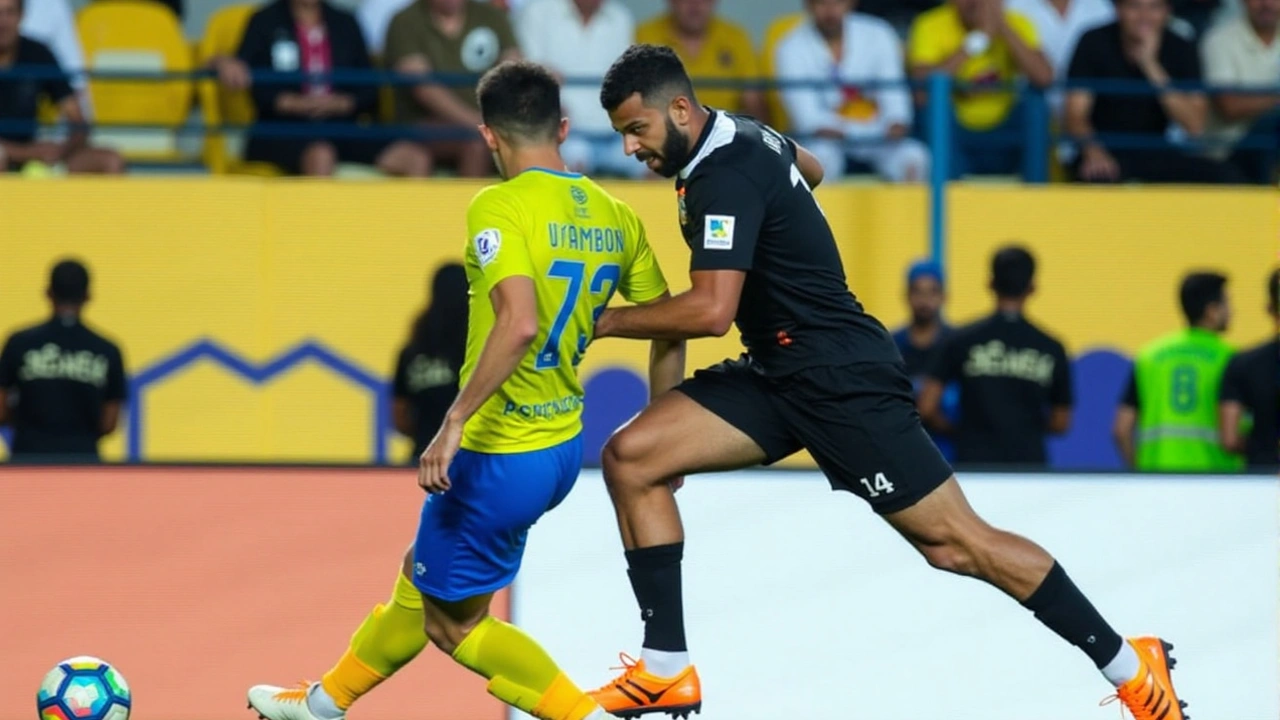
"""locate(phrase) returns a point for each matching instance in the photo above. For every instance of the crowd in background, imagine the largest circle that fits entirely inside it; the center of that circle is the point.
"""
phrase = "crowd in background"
(991, 392)
(841, 66)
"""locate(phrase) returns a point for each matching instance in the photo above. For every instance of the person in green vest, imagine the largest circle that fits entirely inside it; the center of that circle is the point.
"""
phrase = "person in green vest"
(1168, 418)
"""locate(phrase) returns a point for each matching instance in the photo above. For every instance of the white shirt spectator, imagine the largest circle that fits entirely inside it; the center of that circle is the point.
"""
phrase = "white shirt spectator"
(52, 23)
(872, 53)
(1059, 33)
(553, 33)
(1234, 55)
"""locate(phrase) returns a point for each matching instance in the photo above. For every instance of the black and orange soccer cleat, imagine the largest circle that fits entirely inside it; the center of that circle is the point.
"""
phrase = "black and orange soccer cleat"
(636, 692)
(1150, 695)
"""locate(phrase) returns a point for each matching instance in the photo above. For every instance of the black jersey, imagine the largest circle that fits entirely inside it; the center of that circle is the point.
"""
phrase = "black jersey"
(745, 206)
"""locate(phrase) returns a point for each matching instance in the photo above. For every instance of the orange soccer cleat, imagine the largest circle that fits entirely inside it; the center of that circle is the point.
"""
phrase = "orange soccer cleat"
(635, 692)
(1149, 695)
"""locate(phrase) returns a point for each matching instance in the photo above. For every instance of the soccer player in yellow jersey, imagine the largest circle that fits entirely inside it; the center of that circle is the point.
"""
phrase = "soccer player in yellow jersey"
(548, 249)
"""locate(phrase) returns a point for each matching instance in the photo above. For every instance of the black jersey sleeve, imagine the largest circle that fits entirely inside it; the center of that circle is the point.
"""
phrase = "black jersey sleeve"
(1060, 390)
(726, 211)
(9, 365)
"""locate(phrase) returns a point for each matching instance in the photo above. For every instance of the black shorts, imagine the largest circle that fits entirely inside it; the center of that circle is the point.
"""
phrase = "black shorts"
(859, 422)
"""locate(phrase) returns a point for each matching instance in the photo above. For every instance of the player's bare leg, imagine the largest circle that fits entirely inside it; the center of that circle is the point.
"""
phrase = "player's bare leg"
(519, 671)
(952, 537)
(673, 437)
(388, 639)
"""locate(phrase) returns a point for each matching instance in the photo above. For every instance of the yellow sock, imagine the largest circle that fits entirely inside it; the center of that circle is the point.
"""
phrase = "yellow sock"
(390, 637)
(521, 673)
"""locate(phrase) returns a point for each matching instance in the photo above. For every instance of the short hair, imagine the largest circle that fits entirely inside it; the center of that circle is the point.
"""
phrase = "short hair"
(520, 100)
(69, 282)
(1012, 269)
(1200, 290)
(1273, 291)
(653, 71)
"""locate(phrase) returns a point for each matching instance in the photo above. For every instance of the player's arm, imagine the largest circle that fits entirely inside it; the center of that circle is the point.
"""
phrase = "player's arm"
(725, 212)
(810, 168)
(4, 407)
(515, 326)
(1126, 421)
(929, 404)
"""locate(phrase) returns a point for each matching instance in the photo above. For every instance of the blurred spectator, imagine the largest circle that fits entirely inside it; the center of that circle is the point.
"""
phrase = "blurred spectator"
(374, 17)
(61, 384)
(1138, 47)
(1244, 51)
(580, 39)
(846, 50)
(313, 37)
(454, 37)
(426, 378)
(1172, 395)
(899, 13)
(1014, 378)
(1059, 25)
(19, 108)
(53, 24)
(977, 42)
(1249, 402)
(919, 340)
(710, 47)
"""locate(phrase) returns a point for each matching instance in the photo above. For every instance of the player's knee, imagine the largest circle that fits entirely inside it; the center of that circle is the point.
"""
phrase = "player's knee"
(445, 632)
(620, 459)
(951, 555)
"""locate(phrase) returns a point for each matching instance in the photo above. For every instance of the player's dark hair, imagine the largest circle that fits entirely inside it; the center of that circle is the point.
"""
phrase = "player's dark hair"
(1273, 291)
(441, 329)
(1012, 270)
(653, 71)
(69, 282)
(520, 100)
(1200, 290)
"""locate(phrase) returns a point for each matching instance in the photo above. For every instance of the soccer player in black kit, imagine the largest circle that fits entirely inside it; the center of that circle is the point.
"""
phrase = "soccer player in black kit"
(819, 373)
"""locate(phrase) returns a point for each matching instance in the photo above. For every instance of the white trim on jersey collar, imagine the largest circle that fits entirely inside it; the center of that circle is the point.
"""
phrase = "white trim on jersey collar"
(723, 131)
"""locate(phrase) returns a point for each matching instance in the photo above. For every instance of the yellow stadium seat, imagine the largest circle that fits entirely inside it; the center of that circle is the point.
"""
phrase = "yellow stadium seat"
(142, 36)
(220, 106)
(772, 36)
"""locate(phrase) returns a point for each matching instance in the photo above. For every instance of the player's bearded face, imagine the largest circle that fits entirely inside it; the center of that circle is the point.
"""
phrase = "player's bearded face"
(674, 154)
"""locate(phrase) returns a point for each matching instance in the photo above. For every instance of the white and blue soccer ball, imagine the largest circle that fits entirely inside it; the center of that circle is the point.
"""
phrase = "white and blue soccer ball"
(84, 688)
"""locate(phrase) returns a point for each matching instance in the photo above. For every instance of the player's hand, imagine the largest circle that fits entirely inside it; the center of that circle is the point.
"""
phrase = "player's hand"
(602, 324)
(433, 466)
(676, 483)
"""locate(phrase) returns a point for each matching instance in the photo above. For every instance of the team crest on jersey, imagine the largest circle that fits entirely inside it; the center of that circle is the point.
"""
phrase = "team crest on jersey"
(680, 206)
(579, 195)
(487, 244)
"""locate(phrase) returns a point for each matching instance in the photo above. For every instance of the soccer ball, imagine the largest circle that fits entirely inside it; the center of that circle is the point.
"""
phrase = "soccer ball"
(84, 688)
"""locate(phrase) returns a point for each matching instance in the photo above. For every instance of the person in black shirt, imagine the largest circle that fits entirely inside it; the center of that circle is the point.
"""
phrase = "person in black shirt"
(1015, 379)
(426, 378)
(312, 36)
(820, 373)
(1139, 46)
(1251, 388)
(919, 340)
(19, 106)
(61, 384)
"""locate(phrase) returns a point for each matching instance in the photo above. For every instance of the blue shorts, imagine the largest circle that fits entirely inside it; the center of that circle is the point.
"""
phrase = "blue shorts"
(471, 538)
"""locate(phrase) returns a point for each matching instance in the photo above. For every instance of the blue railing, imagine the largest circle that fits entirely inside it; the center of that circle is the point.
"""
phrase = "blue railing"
(935, 123)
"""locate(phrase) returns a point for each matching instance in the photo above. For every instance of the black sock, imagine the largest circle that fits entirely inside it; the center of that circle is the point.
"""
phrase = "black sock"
(1060, 605)
(655, 579)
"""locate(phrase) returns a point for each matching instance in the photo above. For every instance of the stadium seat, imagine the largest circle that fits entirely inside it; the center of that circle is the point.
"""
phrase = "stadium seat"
(772, 36)
(219, 106)
(142, 36)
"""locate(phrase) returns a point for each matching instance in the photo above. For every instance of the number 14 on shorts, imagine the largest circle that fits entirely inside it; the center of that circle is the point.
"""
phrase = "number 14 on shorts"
(878, 486)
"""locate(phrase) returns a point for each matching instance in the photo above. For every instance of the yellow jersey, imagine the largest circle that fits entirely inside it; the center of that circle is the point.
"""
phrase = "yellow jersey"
(725, 54)
(579, 245)
(938, 34)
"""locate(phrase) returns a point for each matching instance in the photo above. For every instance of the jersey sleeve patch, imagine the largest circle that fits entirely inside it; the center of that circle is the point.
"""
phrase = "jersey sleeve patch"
(487, 243)
(718, 232)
